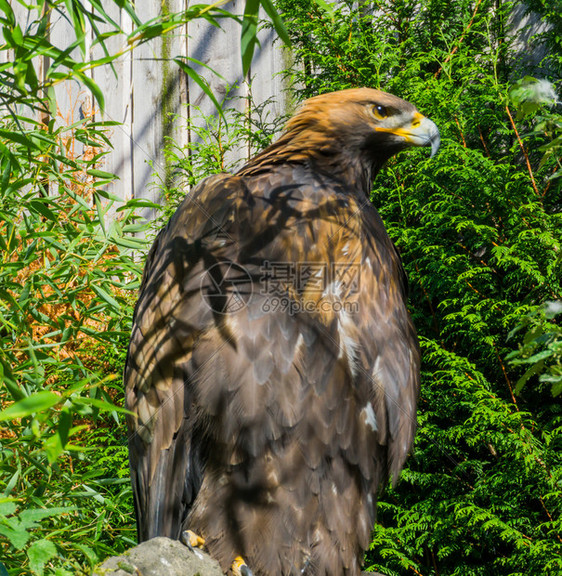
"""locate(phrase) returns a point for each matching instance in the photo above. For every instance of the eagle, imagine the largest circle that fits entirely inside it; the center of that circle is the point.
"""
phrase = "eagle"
(272, 373)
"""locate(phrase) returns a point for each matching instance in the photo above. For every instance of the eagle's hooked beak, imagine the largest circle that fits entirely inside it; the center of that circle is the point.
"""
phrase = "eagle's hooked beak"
(416, 131)
(421, 132)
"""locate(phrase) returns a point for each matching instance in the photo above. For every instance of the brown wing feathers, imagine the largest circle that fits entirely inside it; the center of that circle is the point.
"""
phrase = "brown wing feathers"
(268, 414)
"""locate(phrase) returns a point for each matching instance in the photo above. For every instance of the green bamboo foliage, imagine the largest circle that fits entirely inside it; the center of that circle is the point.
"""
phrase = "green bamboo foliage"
(66, 284)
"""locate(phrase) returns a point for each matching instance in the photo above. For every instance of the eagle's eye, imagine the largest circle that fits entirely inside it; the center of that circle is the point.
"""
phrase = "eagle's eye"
(379, 112)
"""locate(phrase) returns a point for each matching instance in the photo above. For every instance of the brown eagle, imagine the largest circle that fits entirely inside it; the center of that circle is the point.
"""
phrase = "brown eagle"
(273, 368)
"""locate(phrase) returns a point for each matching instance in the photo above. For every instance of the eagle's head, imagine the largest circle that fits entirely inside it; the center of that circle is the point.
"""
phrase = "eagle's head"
(368, 121)
(351, 133)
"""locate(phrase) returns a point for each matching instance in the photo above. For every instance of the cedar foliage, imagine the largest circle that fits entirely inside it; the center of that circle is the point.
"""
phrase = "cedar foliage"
(479, 229)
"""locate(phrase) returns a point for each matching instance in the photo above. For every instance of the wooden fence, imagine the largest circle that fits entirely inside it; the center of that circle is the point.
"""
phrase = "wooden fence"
(149, 94)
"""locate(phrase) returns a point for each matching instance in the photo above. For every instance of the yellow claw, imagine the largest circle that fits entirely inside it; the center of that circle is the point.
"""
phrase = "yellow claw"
(240, 568)
(192, 540)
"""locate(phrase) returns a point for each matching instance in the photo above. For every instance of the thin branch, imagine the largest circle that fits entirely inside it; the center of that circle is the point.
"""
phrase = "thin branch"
(528, 162)
(508, 381)
(483, 142)
(549, 182)
(465, 32)
(460, 131)
(550, 518)
(434, 562)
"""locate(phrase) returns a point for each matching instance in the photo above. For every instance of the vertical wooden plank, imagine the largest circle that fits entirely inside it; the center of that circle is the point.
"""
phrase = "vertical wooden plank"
(268, 84)
(73, 99)
(176, 88)
(270, 60)
(116, 84)
(146, 120)
(218, 49)
(157, 94)
(70, 95)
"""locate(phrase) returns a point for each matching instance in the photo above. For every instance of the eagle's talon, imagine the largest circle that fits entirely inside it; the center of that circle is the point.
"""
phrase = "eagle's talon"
(240, 568)
(192, 540)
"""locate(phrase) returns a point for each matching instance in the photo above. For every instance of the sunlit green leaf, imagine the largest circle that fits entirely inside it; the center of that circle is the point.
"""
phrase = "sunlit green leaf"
(9, 16)
(56, 444)
(101, 174)
(278, 23)
(105, 296)
(41, 207)
(201, 82)
(34, 403)
(100, 404)
(94, 88)
(7, 508)
(39, 553)
(248, 39)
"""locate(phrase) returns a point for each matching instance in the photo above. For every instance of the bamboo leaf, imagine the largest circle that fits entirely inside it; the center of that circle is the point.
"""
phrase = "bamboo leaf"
(10, 18)
(34, 403)
(94, 88)
(101, 405)
(41, 208)
(278, 21)
(56, 444)
(106, 296)
(101, 174)
(201, 82)
(248, 38)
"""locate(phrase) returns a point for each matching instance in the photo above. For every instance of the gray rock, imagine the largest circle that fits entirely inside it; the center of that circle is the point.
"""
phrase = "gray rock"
(160, 557)
(164, 557)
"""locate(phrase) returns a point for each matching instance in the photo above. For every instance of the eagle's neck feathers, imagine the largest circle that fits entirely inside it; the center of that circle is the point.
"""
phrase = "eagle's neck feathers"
(325, 152)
